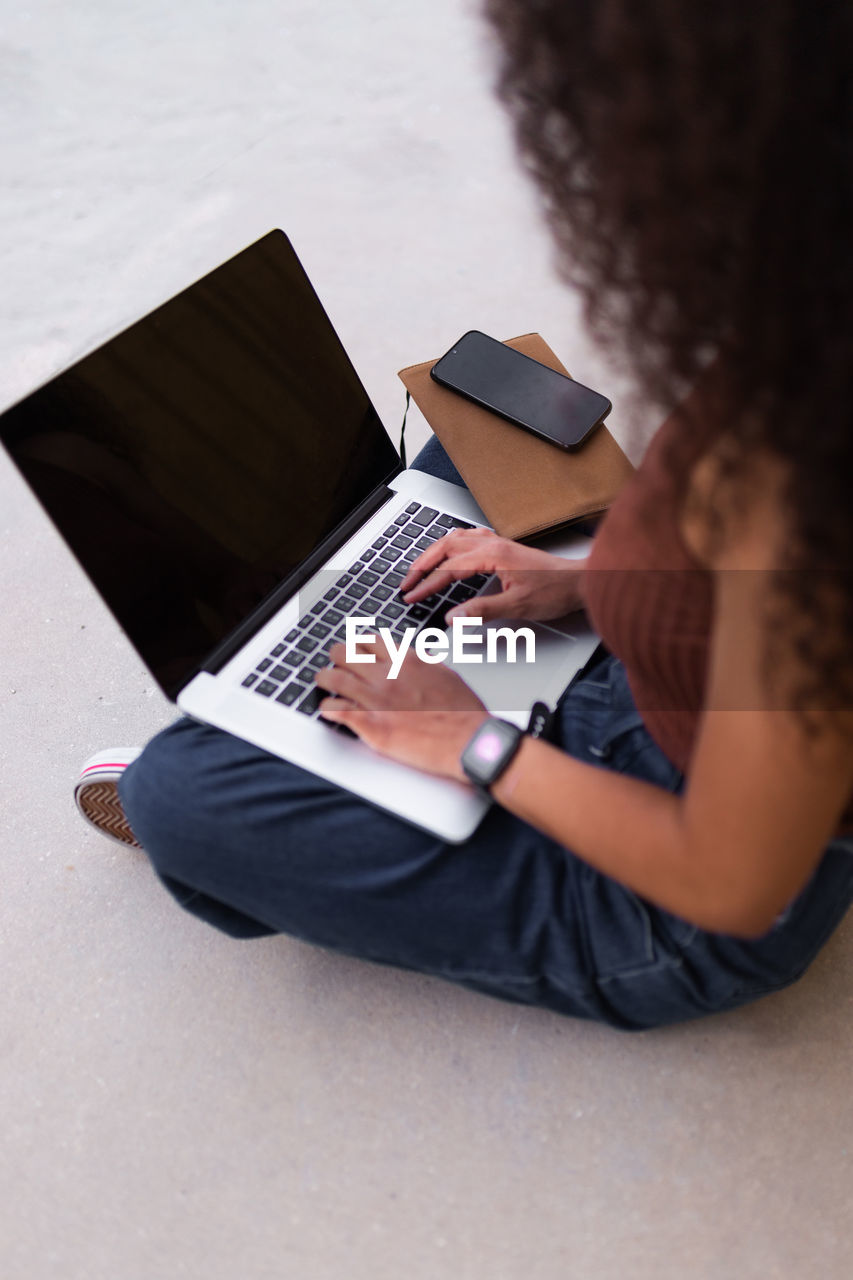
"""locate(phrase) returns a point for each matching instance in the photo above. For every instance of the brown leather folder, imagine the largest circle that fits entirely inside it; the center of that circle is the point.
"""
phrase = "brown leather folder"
(525, 486)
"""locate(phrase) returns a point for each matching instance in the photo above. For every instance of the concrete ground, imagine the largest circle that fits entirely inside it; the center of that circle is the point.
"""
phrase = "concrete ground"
(176, 1104)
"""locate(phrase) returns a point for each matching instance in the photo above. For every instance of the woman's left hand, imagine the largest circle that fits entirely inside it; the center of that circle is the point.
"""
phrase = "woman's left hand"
(423, 718)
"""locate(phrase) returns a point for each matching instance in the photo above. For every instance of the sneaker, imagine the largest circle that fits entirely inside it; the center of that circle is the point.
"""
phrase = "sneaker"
(96, 794)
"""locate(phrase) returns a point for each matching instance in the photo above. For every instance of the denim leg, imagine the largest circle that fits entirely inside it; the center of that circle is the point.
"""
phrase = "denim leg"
(434, 460)
(686, 970)
(255, 845)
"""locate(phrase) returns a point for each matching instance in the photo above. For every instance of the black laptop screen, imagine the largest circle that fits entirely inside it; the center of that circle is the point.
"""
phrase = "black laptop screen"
(195, 460)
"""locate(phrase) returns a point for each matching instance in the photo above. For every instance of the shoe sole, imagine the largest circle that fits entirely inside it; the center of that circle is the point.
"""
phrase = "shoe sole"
(97, 798)
(100, 805)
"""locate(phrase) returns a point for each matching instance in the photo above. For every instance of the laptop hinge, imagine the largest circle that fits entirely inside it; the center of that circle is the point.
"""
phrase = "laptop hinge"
(258, 618)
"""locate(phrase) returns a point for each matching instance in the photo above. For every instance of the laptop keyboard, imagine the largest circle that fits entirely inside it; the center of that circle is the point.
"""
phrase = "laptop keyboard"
(370, 586)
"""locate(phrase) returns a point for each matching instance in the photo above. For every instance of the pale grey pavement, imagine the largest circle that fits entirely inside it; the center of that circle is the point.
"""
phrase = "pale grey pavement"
(176, 1104)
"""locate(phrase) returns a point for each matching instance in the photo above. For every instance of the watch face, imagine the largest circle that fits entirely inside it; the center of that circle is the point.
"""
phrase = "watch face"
(491, 744)
(490, 751)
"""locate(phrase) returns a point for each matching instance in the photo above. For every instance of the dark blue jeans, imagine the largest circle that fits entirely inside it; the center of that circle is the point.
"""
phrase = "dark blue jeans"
(255, 845)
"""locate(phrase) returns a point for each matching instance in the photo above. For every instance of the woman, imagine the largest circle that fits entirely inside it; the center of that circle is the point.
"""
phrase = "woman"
(684, 845)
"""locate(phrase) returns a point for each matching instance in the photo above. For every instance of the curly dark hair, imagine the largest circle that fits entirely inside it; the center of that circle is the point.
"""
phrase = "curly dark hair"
(696, 166)
(696, 163)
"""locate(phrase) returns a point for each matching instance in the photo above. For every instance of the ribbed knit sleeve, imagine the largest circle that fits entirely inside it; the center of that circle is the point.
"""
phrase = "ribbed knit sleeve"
(652, 605)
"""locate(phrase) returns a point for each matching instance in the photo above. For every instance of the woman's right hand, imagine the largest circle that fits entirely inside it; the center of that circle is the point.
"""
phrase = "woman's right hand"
(534, 585)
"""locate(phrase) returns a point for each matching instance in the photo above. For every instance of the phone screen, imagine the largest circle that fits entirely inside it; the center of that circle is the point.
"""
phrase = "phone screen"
(520, 389)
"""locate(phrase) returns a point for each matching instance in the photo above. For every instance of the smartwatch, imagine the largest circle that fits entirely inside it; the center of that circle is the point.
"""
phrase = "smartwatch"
(490, 751)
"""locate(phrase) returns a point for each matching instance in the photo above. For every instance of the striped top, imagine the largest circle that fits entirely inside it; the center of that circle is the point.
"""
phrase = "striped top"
(652, 604)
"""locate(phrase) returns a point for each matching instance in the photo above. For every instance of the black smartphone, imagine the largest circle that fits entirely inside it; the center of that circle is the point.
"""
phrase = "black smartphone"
(520, 389)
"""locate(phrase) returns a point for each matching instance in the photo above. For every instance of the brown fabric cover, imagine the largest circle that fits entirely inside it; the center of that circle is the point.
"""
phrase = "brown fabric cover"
(525, 486)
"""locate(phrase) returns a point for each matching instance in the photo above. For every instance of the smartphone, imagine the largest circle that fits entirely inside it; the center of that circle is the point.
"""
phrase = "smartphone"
(520, 389)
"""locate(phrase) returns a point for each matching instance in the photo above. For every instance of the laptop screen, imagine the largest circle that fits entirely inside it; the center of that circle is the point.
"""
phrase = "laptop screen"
(196, 459)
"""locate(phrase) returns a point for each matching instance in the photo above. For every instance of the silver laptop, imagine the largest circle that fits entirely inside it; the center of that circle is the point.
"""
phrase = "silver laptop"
(223, 479)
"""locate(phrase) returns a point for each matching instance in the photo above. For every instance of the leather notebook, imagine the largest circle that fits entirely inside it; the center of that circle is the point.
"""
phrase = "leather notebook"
(524, 485)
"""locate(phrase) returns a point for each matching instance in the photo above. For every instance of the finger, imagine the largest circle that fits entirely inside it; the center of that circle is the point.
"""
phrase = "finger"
(361, 670)
(342, 711)
(341, 681)
(435, 581)
(366, 685)
(451, 543)
(357, 719)
(452, 570)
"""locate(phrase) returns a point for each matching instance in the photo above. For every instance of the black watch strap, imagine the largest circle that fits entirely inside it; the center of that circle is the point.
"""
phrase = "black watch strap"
(541, 721)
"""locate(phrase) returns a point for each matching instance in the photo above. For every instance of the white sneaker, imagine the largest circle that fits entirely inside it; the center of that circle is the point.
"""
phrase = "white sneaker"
(96, 794)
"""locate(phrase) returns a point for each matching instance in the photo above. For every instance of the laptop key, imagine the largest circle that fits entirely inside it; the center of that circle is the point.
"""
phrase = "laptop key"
(265, 664)
(368, 578)
(390, 531)
(332, 617)
(293, 658)
(368, 554)
(318, 661)
(417, 612)
(401, 541)
(290, 693)
(320, 630)
(446, 521)
(392, 610)
(412, 508)
(437, 617)
(311, 702)
(318, 607)
(250, 679)
(382, 592)
(436, 531)
(307, 645)
(344, 581)
(265, 688)
(306, 675)
(394, 579)
(401, 519)
(423, 543)
(347, 603)
(277, 651)
(357, 590)
(331, 594)
(379, 544)
(279, 673)
(292, 636)
(425, 516)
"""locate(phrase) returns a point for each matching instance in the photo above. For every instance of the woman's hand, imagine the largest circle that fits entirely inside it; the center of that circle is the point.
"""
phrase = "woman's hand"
(534, 584)
(425, 717)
